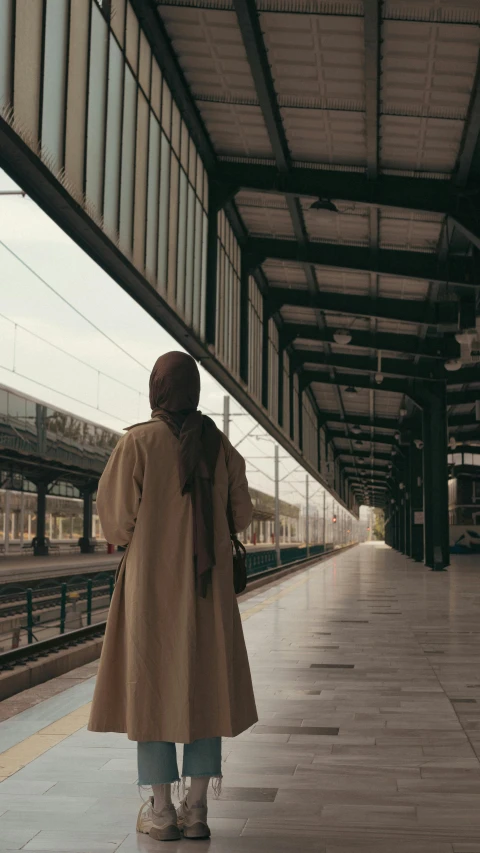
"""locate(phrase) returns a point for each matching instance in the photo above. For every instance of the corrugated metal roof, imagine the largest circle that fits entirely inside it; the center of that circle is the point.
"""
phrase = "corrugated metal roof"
(298, 96)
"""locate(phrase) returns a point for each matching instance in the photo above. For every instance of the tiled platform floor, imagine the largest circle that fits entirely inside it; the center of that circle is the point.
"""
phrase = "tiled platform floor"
(368, 644)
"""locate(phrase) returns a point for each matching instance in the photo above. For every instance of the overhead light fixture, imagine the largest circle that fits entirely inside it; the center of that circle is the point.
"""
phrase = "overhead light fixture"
(356, 430)
(464, 337)
(342, 337)
(350, 390)
(379, 378)
(324, 204)
(403, 412)
(453, 364)
(396, 436)
(452, 443)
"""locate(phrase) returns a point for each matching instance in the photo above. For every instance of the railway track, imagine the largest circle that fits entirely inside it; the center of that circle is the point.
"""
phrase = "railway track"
(33, 652)
(13, 604)
(43, 648)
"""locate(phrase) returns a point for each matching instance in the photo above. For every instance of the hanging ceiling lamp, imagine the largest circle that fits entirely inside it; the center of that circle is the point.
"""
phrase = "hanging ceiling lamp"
(324, 204)
(342, 337)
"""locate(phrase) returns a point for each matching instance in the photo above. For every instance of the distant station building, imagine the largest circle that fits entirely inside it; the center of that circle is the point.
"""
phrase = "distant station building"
(50, 464)
(262, 528)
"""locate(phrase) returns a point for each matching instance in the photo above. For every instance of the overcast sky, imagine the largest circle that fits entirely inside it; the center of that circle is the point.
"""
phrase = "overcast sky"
(51, 352)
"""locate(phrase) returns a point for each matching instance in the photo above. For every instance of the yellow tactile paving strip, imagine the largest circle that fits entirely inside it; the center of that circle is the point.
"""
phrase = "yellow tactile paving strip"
(262, 604)
(32, 747)
(28, 750)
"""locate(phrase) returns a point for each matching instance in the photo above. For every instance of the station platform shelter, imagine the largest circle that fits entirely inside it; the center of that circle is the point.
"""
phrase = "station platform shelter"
(291, 191)
(365, 670)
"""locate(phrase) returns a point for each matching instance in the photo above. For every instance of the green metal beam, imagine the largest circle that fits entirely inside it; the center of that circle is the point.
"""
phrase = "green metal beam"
(357, 380)
(365, 437)
(391, 262)
(434, 370)
(422, 194)
(366, 464)
(457, 398)
(364, 480)
(452, 313)
(363, 454)
(444, 347)
(466, 374)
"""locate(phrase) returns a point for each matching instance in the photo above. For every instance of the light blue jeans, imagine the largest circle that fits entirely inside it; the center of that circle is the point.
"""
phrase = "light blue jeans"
(157, 760)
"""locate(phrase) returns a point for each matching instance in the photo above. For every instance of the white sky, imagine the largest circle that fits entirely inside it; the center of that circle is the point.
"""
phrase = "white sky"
(92, 377)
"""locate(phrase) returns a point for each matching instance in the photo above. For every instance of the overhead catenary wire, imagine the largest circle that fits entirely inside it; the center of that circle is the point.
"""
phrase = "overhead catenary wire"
(76, 310)
(68, 396)
(75, 357)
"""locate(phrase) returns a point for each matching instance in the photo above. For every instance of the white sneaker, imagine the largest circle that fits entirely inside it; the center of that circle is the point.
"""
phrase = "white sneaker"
(193, 821)
(159, 825)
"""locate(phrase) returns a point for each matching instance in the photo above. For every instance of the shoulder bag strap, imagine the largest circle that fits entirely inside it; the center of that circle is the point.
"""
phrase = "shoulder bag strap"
(230, 520)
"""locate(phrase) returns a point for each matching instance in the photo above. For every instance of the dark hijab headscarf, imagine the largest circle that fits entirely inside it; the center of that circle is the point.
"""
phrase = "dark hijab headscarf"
(174, 397)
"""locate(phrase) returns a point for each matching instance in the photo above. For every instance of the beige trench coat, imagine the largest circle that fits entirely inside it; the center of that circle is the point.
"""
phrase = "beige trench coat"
(174, 666)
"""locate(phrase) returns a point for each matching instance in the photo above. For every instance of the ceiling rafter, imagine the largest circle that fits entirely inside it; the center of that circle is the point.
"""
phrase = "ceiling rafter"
(359, 380)
(455, 314)
(439, 348)
(364, 454)
(422, 194)
(366, 437)
(248, 20)
(395, 424)
(371, 28)
(471, 134)
(396, 263)
(433, 370)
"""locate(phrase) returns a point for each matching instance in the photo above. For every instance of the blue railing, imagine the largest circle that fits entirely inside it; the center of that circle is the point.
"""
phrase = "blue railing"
(260, 561)
(32, 610)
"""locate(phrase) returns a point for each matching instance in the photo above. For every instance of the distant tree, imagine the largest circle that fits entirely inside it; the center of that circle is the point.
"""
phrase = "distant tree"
(379, 525)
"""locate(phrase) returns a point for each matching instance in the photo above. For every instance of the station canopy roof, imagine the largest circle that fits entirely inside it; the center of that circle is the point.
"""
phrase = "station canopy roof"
(345, 140)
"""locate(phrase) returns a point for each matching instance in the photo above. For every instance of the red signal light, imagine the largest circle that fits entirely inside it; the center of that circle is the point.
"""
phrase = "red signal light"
(334, 519)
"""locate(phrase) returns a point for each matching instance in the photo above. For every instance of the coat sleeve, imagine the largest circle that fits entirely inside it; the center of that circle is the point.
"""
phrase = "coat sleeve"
(242, 508)
(120, 491)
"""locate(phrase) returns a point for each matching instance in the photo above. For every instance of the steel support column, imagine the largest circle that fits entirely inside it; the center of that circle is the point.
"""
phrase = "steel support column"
(401, 522)
(212, 261)
(408, 504)
(280, 385)
(393, 526)
(244, 317)
(87, 543)
(300, 419)
(40, 542)
(416, 502)
(435, 478)
(265, 347)
(291, 406)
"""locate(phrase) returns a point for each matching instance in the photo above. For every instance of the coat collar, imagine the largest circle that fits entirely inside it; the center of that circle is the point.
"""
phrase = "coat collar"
(140, 423)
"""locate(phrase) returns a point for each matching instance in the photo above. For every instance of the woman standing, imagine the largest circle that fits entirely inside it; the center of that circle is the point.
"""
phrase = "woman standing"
(174, 667)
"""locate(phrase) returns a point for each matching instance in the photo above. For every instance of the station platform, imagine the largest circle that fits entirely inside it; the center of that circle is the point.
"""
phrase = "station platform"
(24, 568)
(366, 673)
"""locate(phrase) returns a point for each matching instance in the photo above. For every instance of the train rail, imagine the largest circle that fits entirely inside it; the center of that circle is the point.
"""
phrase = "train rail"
(43, 648)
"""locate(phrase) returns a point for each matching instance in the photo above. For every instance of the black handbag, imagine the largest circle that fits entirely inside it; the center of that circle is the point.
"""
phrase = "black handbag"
(239, 555)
